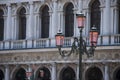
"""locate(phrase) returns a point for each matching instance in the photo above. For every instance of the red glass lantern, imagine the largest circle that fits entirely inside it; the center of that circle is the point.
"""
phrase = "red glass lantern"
(80, 20)
(93, 36)
(59, 39)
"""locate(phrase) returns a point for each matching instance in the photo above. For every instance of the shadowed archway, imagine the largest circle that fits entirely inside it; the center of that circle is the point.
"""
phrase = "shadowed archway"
(43, 74)
(67, 74)
(116, 75)
(94, 73)
(1, 75)
(20, 74)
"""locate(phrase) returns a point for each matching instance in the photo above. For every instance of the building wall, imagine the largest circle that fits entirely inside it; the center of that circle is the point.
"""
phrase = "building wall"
(106, 58)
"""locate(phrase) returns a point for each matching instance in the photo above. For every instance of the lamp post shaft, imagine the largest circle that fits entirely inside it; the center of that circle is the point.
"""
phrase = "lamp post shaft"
(80, 55)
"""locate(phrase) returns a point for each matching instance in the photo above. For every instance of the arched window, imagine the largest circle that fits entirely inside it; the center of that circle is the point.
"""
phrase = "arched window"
(67, 74)
(20, 74)
(22, 24)
(1, 75)
(1, 25)
(95, 14)
(119, 17)
(45, 22)
(93, 73)
(69, 20)
(43, 74)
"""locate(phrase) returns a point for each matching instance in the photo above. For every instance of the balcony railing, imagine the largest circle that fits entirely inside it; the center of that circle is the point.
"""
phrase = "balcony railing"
(110, 40)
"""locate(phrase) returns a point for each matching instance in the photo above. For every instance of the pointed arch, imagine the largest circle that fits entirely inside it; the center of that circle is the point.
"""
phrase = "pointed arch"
(93, 73)
(1, 25)
(45, 21)
(20, 74)
(119, 17)
(1, 75)
(69, 19)
(43, 73)
(22, 23)
(116, 74)
(67, 73)
(95, 16)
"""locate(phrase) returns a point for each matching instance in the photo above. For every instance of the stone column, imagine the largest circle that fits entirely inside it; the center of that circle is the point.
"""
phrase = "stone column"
(50, 24)
(54, 19)
(7, 72)
(77, 73)
(59, 21)
(115, 20)
(87, 26)
(107, 24)
(37, 26)
(30, 22)
(101, 23)
(80, 6)
(62, 22)
(53, 76)
(15, 27)
(106, 74)
(8, 27)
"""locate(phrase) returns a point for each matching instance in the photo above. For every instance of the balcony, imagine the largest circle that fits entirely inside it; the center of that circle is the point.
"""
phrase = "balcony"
(111, 40)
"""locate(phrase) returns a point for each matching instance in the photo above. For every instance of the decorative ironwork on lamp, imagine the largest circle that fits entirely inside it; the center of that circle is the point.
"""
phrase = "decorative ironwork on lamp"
(79, 45)
(78, 42)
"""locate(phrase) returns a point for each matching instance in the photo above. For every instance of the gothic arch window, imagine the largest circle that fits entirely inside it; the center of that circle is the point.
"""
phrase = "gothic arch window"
(119, 18)
(67, 74)
(93, 73)
(20, 74)
(69, 20)
(116, 74)
(95, 14)
(1, 25)
(43, 74)
(1, 75)
(45, 22)
(22, 24)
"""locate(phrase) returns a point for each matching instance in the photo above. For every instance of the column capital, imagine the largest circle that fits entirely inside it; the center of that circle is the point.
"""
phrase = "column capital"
(53, 64)
(6, 66)
(31, 2)
(8, 4)
(54, 0)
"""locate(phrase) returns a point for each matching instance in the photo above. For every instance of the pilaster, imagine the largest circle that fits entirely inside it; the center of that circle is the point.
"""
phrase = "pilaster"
(107, 24)
(30, 22)
(106, 73)
(8, 27)
(54, 71)
(7, 72)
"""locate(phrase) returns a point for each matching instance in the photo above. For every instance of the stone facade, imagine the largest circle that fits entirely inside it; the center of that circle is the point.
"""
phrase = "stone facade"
(30, 57)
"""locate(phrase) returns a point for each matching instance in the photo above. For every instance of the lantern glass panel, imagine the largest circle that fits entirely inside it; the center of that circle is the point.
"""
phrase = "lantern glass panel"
(81, 21)
(93, 38)
(59, 40)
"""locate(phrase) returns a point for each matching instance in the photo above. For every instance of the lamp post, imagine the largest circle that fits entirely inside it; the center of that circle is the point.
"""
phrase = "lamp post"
(79, 45)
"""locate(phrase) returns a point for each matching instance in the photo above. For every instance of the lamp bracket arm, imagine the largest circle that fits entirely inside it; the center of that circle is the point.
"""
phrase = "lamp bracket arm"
(90, 51)
(64, 53)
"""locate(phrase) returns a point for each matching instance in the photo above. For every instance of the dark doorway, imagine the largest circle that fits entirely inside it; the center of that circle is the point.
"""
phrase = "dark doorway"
(117, 74)
(1, 25)
(1, 75)
(94, 73)
(95, 14)
(20, 75)
(45, 18)
(68, 74)
(43, 74)
(22, 23)
(119, 17)
(69, 20)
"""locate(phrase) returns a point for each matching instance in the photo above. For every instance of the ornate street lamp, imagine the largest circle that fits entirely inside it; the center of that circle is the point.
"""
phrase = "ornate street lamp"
(79, 45)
